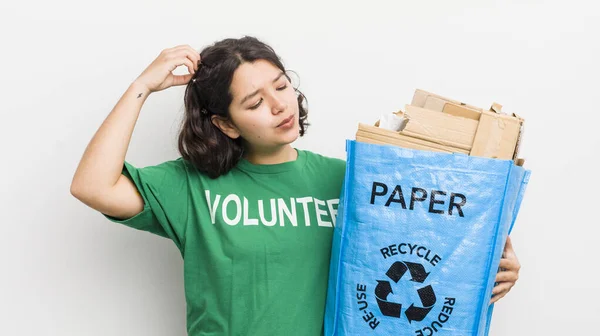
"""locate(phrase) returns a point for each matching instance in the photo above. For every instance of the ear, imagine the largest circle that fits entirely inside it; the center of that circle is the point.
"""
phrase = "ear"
(226, 126)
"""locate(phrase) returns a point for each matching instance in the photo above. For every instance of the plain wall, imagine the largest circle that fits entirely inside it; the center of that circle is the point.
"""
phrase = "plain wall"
(64, 64)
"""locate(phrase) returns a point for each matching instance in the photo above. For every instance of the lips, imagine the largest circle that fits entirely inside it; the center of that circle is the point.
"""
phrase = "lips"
(286, 120)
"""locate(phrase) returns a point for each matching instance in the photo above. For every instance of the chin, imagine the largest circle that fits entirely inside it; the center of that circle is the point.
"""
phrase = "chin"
(294, 135)
(289, 137)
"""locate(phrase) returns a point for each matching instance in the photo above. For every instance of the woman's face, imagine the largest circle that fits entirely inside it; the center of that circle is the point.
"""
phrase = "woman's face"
(264, 110)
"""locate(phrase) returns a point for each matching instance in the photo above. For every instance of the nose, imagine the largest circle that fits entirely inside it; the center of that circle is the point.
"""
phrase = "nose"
(278, 105)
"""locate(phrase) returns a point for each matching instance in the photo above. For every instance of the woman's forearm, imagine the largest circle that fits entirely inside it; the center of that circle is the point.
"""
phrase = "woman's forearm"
(102, 161)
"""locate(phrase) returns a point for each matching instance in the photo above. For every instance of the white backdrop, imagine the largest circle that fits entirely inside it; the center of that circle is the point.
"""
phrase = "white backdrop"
(64, 64)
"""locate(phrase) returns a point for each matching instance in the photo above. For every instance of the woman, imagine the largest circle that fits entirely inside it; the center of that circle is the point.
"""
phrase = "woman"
(251, 215)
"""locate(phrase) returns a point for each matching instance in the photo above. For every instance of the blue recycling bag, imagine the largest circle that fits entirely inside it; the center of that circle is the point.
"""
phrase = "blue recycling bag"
(418, 241)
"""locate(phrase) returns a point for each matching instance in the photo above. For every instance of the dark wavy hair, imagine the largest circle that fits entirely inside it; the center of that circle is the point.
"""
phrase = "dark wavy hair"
(208, 93)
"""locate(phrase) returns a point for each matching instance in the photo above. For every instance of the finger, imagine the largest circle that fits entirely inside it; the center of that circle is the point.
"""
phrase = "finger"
(508, 248)
(182, 79)
(190, 65)
(507, 276)
(172, 61)
(194, 56)
(169, 52)
(191, 53)
(495, 298)
(181, 46)
(179, 50)
(183, 60)
(509, 264)
(501, 287)
(508, 243)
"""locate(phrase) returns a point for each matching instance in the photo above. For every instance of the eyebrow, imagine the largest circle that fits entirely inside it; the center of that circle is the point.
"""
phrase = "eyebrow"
(256, 92)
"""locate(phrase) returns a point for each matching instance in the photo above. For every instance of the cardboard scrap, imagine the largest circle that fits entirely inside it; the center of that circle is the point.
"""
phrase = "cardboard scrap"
(442, 124)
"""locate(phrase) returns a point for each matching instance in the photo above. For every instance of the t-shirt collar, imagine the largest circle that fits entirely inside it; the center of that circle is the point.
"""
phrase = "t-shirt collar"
(246, 165)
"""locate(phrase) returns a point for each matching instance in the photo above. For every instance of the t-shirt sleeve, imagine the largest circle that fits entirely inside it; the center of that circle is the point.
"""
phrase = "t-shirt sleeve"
(341, 168)
(338, 171)
(165, 191)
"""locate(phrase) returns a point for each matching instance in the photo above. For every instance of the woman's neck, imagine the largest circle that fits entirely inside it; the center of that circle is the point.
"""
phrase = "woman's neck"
(280, 155)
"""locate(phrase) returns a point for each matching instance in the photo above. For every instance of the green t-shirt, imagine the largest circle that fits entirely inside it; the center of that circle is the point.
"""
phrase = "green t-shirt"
(256, 241)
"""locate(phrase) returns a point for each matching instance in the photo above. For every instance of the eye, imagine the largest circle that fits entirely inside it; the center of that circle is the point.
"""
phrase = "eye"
(282, 88)
(254, 107)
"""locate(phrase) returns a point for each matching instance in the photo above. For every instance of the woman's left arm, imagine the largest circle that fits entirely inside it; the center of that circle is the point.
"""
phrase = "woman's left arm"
(508, 274)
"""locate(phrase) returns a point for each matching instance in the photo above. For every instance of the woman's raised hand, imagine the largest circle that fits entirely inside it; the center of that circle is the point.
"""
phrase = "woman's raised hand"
(159, 74)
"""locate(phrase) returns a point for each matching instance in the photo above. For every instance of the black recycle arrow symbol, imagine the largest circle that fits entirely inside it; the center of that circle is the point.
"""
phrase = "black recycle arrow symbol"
(428, 299)
(398, 268)
(382, 290)
(395, 273)
(417, 272)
